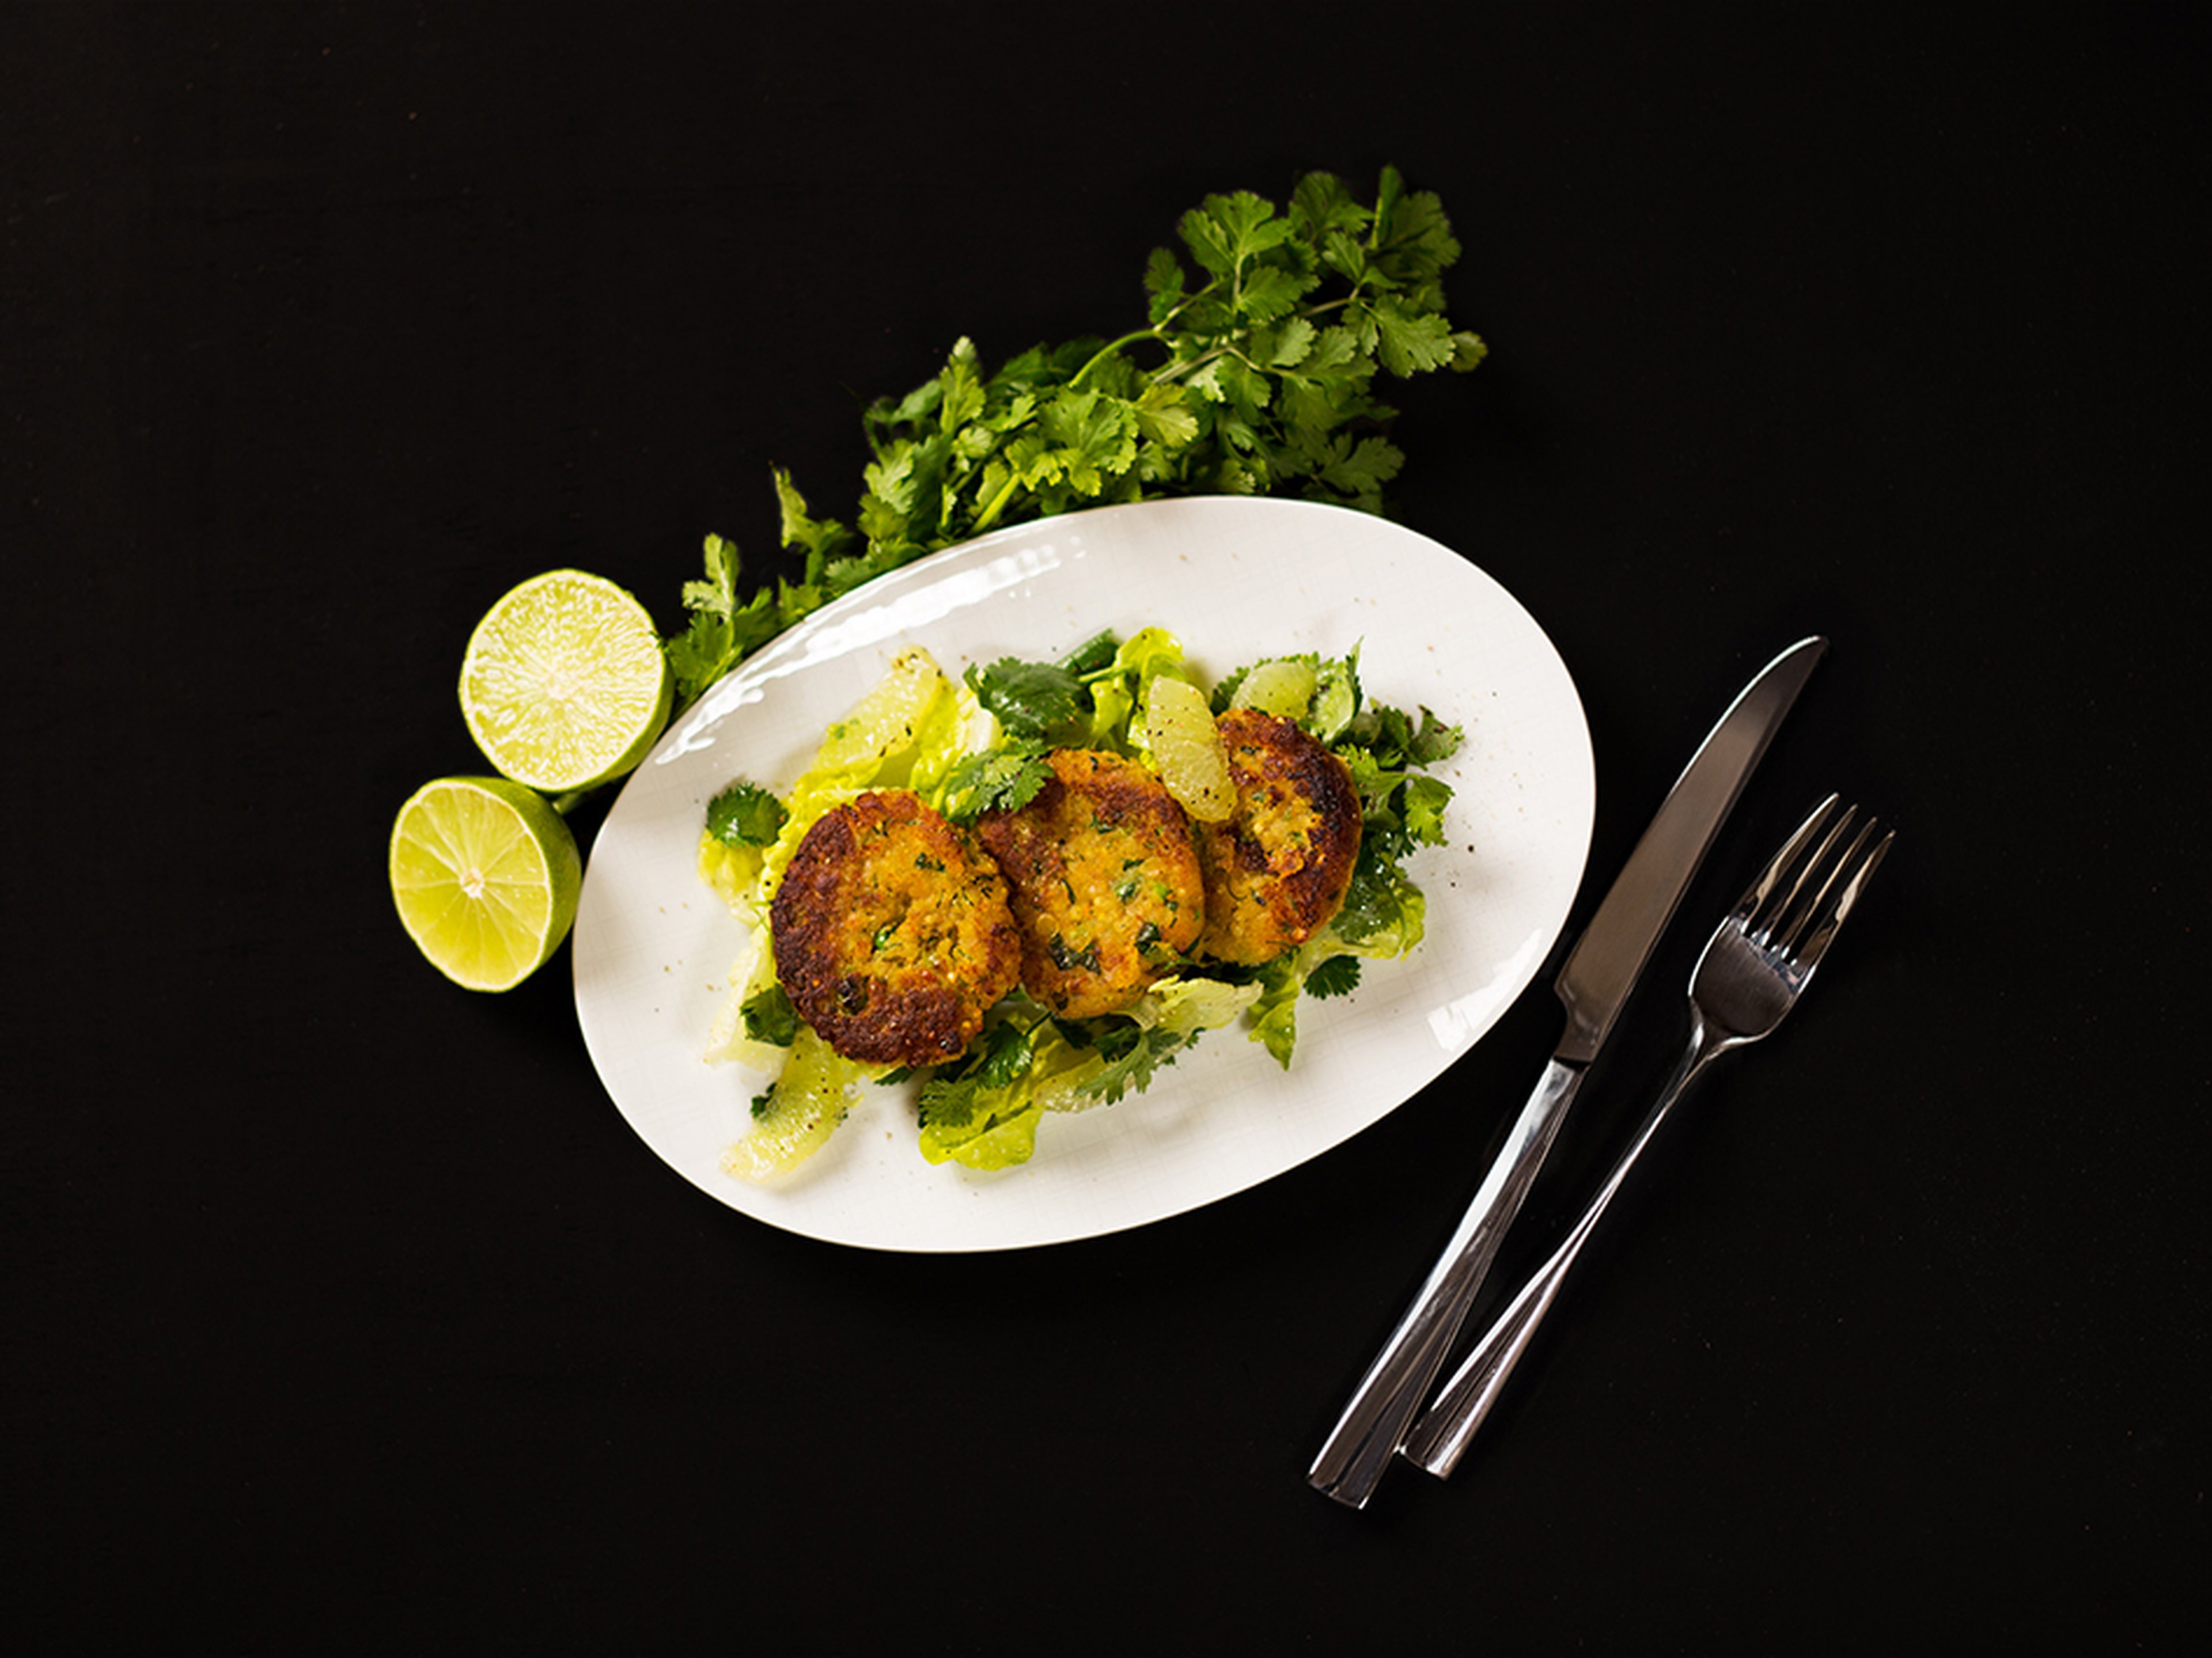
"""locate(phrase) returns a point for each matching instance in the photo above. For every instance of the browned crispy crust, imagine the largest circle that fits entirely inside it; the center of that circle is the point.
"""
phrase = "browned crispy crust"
(892, 932)
(1278, 869)
(1104, 880)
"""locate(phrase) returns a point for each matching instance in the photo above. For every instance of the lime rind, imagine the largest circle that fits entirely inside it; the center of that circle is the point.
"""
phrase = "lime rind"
(485, 877)
(564, 685)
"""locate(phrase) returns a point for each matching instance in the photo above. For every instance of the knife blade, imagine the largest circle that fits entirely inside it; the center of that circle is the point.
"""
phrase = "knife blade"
(1593, 985)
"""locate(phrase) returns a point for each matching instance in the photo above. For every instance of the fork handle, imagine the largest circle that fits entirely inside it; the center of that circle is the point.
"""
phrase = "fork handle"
(1440, 1437)
(1367, 1436)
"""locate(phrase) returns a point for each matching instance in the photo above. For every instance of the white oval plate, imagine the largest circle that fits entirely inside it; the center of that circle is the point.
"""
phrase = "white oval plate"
(1235, 580)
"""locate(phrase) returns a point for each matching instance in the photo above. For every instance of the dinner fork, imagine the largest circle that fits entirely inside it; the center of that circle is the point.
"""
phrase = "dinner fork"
(1753, 969)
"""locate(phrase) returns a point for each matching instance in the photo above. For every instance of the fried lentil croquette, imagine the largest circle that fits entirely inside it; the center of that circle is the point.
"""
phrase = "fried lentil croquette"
(892, 932)
(1277, 871)
(1104, 881)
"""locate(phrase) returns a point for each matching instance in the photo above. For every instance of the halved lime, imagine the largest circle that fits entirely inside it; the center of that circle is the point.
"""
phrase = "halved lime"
(564, 685)
(485, 874)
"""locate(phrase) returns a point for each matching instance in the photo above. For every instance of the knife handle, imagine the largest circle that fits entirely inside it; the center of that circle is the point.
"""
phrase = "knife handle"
(1439, 1439)
(1373, 1425)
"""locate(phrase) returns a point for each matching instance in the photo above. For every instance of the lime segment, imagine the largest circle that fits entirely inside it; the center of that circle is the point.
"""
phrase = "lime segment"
(1283, 686)
(564, 686)
(809, 1101)
(1187, 748)
(485, 874)
(888, 719)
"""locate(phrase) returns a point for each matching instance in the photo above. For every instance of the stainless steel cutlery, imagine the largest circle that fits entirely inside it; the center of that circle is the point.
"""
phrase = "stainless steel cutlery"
(1754, 967)
(1593, 986)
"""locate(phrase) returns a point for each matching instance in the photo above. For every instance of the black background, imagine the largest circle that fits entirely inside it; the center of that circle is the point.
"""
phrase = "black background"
(344, 1310)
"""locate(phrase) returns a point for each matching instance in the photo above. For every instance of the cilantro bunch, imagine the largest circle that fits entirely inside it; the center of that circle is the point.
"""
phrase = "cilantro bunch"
(1253, 373)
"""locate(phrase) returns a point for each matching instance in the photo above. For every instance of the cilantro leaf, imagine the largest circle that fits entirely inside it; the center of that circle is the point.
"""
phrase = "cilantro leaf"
(1135, 1067)
(994, 1063)
(820, 538)
(745, 815)
(1409, 340)
(721, 630)
(982, 1110)
(966, 1122)
(1422, 801)
(770, 1017)
(1028, 698)
(1337, 976)
(1003, 779)
(1384, 912)
(1433, 741)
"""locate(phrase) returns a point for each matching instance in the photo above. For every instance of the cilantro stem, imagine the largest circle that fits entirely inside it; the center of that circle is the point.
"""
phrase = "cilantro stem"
(1157, 331)
(1175, 371)
(989, 515)
(1110, 348)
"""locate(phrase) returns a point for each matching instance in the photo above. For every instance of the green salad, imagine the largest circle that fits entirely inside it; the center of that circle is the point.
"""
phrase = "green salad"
(979, 745)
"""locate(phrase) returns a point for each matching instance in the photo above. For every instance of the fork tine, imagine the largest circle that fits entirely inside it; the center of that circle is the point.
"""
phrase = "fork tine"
(1762, 889)
(1806, 898)
(1862, 867)
(1782, 883)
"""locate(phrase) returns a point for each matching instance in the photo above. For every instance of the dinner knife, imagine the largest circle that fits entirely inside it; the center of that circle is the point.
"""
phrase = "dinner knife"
(1593, 985)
